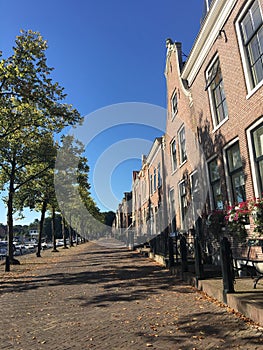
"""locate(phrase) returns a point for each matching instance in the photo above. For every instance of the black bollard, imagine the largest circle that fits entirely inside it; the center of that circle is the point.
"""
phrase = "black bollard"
(227, 267)
(171, 253)
(183, 249)
(199, 267)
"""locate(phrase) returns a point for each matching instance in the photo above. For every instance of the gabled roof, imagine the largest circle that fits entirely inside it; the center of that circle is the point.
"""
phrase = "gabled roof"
(209, 32)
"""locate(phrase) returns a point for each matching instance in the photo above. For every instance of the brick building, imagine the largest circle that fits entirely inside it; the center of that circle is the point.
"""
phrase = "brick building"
(148, 192)
(213, 146)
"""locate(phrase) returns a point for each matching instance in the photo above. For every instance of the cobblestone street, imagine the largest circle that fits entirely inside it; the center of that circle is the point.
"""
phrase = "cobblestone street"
(104, 297)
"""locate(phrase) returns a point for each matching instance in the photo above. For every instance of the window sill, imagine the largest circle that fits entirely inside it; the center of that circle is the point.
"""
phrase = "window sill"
(183, 163)
(220, 124)
(174, 115)
(254, 90)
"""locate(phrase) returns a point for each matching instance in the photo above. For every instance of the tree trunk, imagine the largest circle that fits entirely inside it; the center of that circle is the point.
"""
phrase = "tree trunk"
(70, 233)
(41, 225)
(64, 233)
(53, 229)
(10, 223)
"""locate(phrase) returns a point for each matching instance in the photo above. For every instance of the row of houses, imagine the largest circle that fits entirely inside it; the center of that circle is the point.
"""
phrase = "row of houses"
(211, 154)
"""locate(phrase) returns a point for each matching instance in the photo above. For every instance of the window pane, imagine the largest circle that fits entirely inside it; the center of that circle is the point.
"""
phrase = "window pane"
(159, 175)
(258, 141)
(218, 96)
(173, 147)
(260, 169)
(213, 170)
(173, 155)
(212, 73)
(222, 91)
(256, 15)
(247, 27)
(260, 39)
(252, 28)
(218, 202)
(220, 114)
(183, 200)
(182, 145)
(182, 189)
(258, 71)
(254, 50)
(238, 181)
(174, 103)
(234, 159)
(225, 108)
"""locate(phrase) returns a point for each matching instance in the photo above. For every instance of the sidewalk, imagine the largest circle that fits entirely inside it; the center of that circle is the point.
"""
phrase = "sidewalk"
(246, 300)
(107, 297)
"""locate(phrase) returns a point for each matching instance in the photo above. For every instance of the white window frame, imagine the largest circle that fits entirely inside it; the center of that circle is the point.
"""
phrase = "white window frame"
(174, 166)
(228, 179)
(216, 125)
(154, 180)
(182, 161)
(159, 176)
(172, 208)
(174, 111)
(180, 202)
(211, 190)
(252, 158)
(196, 194)
(246, 67)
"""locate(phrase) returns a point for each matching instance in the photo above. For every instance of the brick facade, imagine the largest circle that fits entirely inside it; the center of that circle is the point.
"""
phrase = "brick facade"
(214, 103)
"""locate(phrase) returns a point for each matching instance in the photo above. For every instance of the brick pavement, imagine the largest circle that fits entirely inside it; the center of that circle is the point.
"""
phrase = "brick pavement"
(98, 297)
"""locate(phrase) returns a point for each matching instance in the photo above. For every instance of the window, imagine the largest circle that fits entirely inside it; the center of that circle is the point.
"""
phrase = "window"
(151, 184)
(236, 174)
(183, 200)
(154, 180)
(215, 184)
(174, 103)
(173, 155)
(197, 192)
(182, 145)
(215, 86)
(250, 36)
(195, 188)
(143, 190)
(159, 175)
(257, 139)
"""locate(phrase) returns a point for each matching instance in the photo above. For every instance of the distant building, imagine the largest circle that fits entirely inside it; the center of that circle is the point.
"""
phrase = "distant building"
(33, 234)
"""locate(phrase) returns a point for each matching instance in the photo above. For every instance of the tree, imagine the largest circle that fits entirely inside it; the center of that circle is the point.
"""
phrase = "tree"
(72, 188)
(38, 193)
(32, 108)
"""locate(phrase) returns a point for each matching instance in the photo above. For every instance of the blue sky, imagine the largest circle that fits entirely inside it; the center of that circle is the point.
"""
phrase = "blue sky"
(105, 52)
